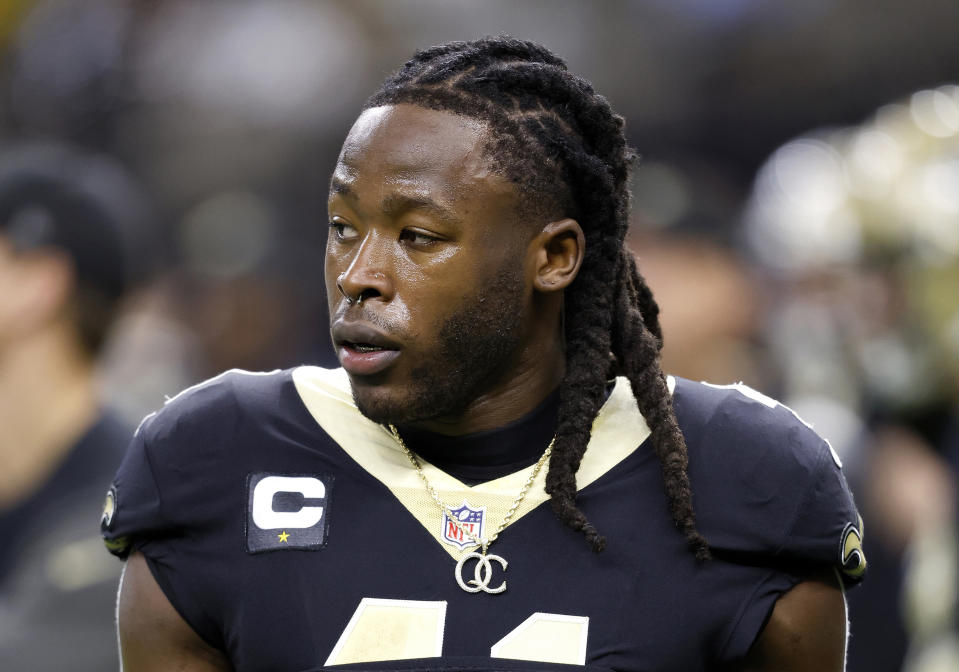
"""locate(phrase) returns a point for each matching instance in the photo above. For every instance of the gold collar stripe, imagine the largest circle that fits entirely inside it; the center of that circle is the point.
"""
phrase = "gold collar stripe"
(618, 430)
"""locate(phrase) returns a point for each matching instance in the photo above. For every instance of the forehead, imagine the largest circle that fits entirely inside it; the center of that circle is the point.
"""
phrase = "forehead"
(414, 147)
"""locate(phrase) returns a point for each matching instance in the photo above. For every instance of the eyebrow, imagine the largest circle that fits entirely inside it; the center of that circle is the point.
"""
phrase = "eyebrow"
(338, 186)
(395, 205)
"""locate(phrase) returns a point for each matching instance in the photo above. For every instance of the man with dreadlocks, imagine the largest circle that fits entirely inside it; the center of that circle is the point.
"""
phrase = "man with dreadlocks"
(500, 477)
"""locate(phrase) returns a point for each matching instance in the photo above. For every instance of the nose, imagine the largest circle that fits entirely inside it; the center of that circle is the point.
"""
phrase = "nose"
(366, 277)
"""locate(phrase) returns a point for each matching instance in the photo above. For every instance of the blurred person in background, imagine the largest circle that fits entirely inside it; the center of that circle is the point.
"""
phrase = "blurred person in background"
(858, 230)
(69, 227)
(220, 109)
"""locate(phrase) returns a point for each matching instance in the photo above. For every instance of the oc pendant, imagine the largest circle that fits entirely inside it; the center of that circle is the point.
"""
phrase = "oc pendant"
(482, 573)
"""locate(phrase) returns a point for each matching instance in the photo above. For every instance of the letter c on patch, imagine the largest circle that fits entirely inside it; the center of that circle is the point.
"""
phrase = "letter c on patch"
(266, 518)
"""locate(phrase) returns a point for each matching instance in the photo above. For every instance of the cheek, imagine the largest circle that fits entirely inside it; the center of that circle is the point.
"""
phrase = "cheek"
(448, 279)
(425, 307)
(432, 300)
(332, 267)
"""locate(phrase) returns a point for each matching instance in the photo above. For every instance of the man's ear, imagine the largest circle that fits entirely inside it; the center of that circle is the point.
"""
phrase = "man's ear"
(557, 253)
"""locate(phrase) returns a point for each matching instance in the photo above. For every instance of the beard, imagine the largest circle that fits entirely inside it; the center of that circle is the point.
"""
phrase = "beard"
(476, 348)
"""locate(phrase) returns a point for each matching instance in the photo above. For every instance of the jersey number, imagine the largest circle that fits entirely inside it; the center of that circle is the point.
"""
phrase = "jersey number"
(402, 629)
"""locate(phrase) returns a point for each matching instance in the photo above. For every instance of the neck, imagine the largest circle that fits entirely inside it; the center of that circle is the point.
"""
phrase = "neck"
(47, 400)
(537, 371)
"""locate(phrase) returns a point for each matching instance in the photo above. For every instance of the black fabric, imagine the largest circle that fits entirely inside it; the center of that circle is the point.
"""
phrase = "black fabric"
(85, 205)
(767, 492)
(483, 456)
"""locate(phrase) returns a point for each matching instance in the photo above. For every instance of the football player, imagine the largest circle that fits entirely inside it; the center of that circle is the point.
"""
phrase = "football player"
(499, 477)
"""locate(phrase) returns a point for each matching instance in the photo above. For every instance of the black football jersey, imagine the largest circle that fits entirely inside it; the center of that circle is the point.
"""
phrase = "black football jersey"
(294, 534)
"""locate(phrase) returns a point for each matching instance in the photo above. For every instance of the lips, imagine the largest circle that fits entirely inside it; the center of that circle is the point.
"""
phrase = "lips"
(363, 349)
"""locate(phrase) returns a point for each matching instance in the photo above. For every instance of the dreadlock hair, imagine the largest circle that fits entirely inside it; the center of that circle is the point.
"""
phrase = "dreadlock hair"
(565, 150)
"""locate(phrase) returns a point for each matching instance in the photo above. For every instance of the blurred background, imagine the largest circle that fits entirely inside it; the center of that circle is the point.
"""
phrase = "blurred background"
(796, 214)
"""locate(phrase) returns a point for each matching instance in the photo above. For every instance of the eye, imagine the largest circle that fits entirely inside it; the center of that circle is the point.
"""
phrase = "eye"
(418, 238)
(342, 231)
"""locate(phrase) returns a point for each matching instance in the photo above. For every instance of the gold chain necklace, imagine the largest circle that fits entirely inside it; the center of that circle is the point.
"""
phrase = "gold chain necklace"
(483, 571)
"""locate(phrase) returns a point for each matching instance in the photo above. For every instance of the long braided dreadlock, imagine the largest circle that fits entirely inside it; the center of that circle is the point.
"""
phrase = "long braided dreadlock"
(564, 148)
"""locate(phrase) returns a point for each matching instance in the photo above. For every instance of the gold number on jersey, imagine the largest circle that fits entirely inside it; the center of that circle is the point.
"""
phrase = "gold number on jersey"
(391, 630)
(402, 629)
(546, 638)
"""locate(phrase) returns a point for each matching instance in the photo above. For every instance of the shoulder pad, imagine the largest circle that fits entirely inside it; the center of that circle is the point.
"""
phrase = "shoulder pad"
(166, 469)
(764, 483)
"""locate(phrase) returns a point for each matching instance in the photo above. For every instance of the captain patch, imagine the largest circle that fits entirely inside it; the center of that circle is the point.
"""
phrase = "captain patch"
(287, 511)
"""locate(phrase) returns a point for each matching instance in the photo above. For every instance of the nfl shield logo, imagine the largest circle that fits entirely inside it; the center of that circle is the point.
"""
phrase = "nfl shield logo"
(469, 519)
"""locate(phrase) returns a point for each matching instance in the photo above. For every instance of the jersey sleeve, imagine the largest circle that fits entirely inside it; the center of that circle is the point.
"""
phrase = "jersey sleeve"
(170, 496)
(766, 487)
(827, 528)
(166, 487)
(141, 514)
(768, 492)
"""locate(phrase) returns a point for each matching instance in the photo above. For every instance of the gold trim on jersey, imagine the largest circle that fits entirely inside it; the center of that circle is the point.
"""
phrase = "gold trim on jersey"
(618, 430)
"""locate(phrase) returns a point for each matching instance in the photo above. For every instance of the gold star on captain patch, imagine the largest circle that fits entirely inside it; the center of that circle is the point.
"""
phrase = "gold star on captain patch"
(283, 536)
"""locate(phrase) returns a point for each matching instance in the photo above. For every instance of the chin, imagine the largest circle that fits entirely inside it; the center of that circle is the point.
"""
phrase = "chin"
(382, 405)
(405, 404)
